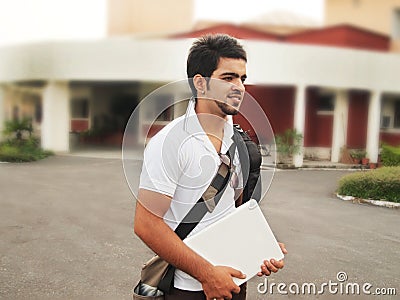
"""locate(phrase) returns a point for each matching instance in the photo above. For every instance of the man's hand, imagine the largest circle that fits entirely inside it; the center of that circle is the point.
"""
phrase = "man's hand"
(219, 283)
(273, 265)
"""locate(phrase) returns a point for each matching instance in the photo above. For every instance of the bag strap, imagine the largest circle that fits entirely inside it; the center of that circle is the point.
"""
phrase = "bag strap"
(247, 173)
(210, 198)
(242, 151)
(207, 203)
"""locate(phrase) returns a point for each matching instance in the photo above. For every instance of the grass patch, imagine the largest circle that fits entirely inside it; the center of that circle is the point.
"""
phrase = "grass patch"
(390, 155)
(22, 151)
(379, 184)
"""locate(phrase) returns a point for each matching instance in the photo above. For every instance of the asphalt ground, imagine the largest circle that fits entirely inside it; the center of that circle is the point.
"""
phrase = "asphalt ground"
(66, 233)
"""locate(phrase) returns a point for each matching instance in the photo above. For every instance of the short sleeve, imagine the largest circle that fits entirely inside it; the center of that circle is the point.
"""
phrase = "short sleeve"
(161, 168)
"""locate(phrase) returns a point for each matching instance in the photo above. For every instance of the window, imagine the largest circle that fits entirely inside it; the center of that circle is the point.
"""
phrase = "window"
(396, 123)
(38, 112)
(326, 102)
(80, 108)
(385, 121)
(80, 115)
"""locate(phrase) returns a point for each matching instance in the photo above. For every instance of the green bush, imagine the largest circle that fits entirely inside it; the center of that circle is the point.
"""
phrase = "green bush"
(288, 144)
(22, 150)
(21, 146)
(379, 184)
(390, 155)
(358, 153)
(16, 128)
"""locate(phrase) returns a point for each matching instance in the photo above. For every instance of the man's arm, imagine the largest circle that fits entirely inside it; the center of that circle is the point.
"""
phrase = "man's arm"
(154, 232)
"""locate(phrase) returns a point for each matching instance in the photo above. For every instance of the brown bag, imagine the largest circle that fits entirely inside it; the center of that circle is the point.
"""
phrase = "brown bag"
(152, 273)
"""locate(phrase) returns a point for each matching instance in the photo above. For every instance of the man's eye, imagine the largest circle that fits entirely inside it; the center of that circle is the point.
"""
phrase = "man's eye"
(229, 78)
(243, 80)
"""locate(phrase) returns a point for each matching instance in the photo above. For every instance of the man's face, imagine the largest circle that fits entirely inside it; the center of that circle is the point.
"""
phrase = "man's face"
(226, 86)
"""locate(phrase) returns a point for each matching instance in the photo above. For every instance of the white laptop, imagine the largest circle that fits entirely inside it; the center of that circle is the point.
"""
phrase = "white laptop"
(241, 240)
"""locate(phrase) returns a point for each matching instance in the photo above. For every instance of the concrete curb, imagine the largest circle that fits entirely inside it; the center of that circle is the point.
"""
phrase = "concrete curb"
(328, 169)
(314, 167)
(381, 203)
(336, 167)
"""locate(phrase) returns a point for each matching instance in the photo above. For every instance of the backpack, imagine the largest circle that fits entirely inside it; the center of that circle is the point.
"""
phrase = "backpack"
(250, 161)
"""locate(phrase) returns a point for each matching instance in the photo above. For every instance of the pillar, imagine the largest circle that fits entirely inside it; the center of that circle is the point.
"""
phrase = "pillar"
(56, 116)
(340, 121)
(299, 121)
(373, 128)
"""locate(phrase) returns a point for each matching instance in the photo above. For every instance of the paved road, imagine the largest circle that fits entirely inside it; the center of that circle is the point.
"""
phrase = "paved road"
(66, 232)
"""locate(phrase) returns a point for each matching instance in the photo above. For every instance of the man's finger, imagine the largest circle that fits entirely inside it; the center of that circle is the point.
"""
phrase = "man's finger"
(265, 270)
(237, 273)
(236, 290)
(278, 264)
(271, 267)
(283, 248)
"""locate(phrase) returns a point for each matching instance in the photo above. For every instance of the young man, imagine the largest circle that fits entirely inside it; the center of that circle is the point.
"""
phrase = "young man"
(180, 162)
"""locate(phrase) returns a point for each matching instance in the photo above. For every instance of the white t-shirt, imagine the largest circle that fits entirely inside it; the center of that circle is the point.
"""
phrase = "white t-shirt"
(180, 161)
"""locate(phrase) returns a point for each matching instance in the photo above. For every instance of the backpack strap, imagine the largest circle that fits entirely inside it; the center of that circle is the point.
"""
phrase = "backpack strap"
(250, 161)
(207, 202)
(242, 151)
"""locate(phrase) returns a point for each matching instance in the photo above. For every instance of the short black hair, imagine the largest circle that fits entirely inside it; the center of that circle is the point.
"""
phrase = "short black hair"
(205, 53)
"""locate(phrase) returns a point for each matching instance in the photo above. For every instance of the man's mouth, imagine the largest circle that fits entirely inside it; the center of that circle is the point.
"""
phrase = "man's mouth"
(235, 99)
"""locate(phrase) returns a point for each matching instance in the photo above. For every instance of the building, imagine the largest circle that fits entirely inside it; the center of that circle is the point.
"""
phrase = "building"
(379, 16)
(333, 109)
(336, 85)
(137, 17)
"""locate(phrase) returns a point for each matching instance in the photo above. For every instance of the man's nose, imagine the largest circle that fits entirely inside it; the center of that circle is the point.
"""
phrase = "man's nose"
(238, 85)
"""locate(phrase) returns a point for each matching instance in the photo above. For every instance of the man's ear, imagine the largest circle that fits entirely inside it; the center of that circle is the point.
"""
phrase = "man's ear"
(200, 84)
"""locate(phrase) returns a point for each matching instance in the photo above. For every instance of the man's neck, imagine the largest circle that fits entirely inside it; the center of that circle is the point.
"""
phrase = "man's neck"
(212, 122)
(210, 118)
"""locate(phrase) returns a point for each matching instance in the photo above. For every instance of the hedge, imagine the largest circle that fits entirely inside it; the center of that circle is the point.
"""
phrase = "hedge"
(390, 155)
(379, 184)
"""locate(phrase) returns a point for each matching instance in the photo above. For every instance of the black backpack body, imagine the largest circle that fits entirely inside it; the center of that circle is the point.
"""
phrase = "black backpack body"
(250, 161)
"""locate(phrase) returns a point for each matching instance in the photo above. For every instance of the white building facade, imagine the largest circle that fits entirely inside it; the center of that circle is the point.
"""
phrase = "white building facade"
(50, 82)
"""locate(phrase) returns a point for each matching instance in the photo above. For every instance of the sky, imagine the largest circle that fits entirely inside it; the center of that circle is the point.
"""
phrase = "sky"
(23, 21)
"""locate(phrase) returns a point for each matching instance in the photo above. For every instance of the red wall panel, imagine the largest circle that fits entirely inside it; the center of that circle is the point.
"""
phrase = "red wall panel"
(357, 120)
(152, 129)
(392, 139)
(79, 125)
(318, 127)
(276, 102)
